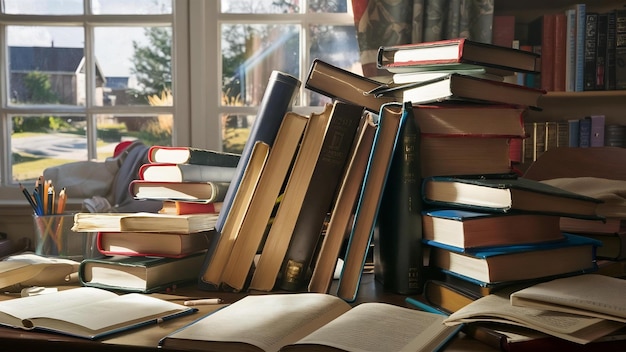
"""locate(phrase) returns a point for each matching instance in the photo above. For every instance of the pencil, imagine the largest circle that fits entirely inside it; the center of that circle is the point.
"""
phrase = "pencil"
(30, 199)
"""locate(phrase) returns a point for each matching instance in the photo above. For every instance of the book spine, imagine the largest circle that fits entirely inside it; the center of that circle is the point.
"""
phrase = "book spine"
(591, 42)
(601, 51)
(609, 72)
(560, 48)
(213, 158)
(620, 49)
(584, 132)
(319, 195)
(596, 138)
(397, 243)
(541, 35)
(570, 55)
(573, 133)
(278, 96)
(581, 10)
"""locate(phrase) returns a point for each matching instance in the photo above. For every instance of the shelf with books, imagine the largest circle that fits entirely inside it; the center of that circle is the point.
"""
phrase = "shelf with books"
(557, 106)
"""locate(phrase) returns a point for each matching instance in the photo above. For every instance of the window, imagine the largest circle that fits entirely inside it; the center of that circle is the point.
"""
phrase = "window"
(180, 72)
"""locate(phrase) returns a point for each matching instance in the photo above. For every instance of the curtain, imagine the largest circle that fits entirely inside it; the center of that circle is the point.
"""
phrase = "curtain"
(392, 22)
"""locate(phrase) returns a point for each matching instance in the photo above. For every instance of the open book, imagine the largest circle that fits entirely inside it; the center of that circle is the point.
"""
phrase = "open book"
(312, 322)
(87, 312)
(29, 269)
(496, 308)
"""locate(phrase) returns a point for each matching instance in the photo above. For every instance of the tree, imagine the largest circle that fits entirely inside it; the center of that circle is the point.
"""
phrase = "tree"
(152, 63)
(39, 88)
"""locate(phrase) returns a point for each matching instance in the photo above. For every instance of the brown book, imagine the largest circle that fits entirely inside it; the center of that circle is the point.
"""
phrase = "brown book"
(270, 185)
(391, 118)
(560, 57)
(470, 229)
(339, 224)
(211, 273)
(541, 33)
(446, 297)
(157, 244)
(161, 190)
(344, 85)
(320, 194)
(191, 155)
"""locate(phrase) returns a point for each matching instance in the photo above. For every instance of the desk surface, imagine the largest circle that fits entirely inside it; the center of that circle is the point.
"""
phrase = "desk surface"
(147, 338)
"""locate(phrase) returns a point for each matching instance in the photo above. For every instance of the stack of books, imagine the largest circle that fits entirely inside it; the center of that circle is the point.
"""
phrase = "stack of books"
(147, 252)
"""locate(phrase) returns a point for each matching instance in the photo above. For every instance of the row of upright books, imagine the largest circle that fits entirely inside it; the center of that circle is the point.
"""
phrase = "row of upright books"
(146, 252)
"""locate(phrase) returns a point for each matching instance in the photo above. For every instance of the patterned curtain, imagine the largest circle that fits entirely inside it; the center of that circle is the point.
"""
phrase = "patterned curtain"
(391, 22)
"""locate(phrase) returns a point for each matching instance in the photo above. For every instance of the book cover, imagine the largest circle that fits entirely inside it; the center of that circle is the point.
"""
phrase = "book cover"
(620, 49)
(470, 229)
(392, 116)
(277, 99)
(573, 133)
(88, 312)
(407, 57)
(447, 297)
(183, 207)
(609, 72)
(319, 197)
(613, 245)
(542, 33)
(584, 132)
(342, 213)
(191, 155)
(503, 30)
(139, 274)
(596, 132)
(163, 172)
(221, 246)
(171, 190)
(506, 194)
(581, 15)
(250, 234)
(560, 56)
(570, 51)
(497, 264)
(591, 43)
(464, 88)
(397, 243)
(154, 244)
(143, 222)
(601, 51)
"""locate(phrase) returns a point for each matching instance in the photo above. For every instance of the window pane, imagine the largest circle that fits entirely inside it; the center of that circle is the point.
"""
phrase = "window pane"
(236, 131)
(260, 6)
(328, 6)
(113, 129)
(46, 65)
(250, 52)
(134, 7)
(38, 142)
(43, 7)
(136, 63)
(336, 45)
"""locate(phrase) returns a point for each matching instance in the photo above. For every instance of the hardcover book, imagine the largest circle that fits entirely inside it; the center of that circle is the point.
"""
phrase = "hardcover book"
(502, 263)
(277, 99)
(392, 116)
(143, 222)
(139, 274)
(185, 173)
(29, 269)
(157, 244)
(87, 312)
(191, 155)
(507, 194)
(183, 207)
(311, 322)
(158, 190)
(457, 53)
(541, 32)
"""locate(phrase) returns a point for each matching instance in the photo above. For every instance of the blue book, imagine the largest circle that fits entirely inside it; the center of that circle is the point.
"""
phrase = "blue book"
(574, 254)
(581, 15)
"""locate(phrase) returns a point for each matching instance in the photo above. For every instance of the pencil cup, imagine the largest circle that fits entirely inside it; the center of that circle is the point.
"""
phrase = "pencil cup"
(54, 238)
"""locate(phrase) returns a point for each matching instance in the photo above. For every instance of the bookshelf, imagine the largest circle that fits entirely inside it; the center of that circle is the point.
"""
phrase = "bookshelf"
(562, 105)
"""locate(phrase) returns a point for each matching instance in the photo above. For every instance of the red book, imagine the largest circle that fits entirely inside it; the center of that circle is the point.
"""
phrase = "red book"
(560, 36)
(503, 30)
(181, 207)
(151, 244)
(541, 32)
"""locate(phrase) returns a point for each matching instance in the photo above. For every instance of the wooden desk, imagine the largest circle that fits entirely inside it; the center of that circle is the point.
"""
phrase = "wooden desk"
(147, 338)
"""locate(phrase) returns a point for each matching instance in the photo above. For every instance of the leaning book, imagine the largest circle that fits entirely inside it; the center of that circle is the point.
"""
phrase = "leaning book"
(87, 312)
(312, 322)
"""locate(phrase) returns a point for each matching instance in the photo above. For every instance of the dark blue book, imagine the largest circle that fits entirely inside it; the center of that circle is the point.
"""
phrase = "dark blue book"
(574, 254)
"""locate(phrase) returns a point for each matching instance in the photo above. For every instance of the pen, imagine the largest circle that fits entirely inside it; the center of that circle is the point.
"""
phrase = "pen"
(30, 199)
(202, 302)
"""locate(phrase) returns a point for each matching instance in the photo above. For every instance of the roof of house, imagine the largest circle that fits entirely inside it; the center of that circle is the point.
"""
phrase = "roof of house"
(47, 59)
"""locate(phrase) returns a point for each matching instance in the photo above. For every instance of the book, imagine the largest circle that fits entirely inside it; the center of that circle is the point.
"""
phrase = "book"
(596, 133)
(591, 42)
(183, 207)
(278, 96)
(391, 117)
(609, 224)
(589, 295)
(503, 30)
(613, 244)
(157, 244)
(340, 84)
(465, 88)
(571, 327)
(464, 155)
(495, 264)
(601, 51)
(507, 194)
(339, 224)
(157, 190)
(611, 31)
(541, 32)
(88, 312)
(446, 297)
(620, 49)
(560, 52)
(570, 50)
(470, 229)
(470, 119)
(318, 199)
(398, 259)
(311, 321)
(249, 233)
(29, 269)
(222, 245)
(186, 173)
(584, 133)
(142, 274)
(143, 222)
(191, 155)
(458, 53)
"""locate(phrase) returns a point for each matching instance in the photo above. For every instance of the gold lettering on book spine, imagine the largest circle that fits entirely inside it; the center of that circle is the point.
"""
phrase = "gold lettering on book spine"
(292, 272)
